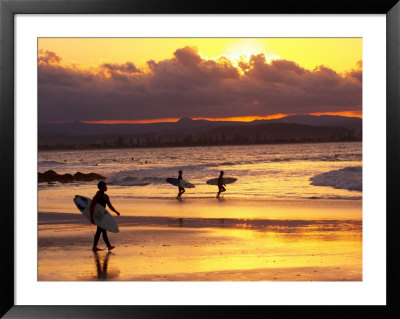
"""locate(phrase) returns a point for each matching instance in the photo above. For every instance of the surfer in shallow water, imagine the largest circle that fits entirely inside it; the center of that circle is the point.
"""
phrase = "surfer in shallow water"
(102, 199)
(180, 187)
(221, 184)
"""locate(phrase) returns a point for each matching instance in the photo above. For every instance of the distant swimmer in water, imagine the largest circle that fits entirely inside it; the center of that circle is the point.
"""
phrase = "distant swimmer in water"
(180, 187)
(102, 199)
(221, 184)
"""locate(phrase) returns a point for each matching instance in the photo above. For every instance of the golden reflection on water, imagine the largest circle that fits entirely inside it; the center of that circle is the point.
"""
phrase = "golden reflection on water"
(228, 208)
(157, 253)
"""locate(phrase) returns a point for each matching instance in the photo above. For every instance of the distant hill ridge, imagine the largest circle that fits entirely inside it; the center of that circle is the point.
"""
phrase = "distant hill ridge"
(84, 129)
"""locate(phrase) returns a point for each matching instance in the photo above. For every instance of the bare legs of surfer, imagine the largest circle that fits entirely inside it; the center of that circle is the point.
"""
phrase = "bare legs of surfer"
(221, 190)
(105, 238)
(181, 191)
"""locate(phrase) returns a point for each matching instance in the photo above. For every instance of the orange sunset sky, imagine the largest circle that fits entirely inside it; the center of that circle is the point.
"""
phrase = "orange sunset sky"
(142, 80)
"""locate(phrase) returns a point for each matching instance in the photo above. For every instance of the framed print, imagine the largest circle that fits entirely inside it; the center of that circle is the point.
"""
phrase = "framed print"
(247, 154)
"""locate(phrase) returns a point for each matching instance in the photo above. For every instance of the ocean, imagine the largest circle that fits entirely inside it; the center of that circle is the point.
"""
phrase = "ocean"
(288, 171)
(294, 213)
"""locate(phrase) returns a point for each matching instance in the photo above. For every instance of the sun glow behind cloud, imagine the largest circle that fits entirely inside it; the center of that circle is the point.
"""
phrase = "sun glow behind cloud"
(237, 59)
(341, 54)
(212, 79)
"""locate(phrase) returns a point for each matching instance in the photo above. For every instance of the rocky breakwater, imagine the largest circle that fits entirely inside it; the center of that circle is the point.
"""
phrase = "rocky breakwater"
(52, 176)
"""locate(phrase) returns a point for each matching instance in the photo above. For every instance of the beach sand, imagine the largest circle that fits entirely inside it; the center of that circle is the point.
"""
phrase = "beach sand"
(208, 240)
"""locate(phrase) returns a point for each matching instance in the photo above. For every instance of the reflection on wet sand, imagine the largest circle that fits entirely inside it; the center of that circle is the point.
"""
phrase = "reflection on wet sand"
(190, 223)
(102, 267)
(322, 243)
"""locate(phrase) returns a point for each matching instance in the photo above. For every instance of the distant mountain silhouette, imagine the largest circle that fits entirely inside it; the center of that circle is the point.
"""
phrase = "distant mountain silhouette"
(322, 120)
(80, 128)
(186, 131)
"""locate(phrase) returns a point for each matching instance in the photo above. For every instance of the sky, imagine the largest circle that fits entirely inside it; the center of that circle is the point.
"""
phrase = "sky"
(141, 80)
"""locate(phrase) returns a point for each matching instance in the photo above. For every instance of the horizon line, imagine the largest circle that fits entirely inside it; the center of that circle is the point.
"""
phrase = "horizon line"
(357, 114)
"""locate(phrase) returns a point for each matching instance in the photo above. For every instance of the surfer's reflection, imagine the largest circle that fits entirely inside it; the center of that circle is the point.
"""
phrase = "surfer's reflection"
(102, 267)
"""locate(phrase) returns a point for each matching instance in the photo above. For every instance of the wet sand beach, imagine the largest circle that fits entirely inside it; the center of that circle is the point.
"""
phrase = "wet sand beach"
(208, 240)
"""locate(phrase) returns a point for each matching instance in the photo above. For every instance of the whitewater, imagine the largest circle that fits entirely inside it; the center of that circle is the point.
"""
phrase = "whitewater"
(287, 171)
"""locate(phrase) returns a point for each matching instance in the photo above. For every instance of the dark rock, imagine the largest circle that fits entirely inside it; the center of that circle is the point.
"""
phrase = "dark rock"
(48, 176)
(87, 177)
(65, 178)
(51, 176)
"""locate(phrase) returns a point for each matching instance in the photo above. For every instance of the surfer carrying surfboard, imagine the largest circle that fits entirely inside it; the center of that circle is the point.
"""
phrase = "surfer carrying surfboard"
(221, 184)
(102, 199)
(180, 186)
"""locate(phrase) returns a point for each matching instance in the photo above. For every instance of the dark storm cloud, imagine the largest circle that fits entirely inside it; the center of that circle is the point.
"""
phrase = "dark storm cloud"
(188, 72)
(48, 57)
(128, 67)
(357, 73)
(188, 85)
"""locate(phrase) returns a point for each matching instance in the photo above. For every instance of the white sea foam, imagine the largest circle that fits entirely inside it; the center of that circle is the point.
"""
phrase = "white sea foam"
(347, 178)
(134, 178)
(263, 171)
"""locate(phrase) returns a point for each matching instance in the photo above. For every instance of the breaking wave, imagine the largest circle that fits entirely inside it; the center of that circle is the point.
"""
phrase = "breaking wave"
(133, 178)
(347, 178)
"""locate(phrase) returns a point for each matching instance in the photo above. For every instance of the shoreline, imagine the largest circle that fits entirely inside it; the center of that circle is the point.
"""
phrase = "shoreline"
(224, 208)
(47, 220)
(208, 241)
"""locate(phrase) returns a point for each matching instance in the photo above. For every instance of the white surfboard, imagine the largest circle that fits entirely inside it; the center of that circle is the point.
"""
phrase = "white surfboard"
(101, 216)
(226, 180)
(174, 181)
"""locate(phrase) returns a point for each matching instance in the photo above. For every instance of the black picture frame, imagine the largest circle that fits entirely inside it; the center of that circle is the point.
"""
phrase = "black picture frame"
(9, 8)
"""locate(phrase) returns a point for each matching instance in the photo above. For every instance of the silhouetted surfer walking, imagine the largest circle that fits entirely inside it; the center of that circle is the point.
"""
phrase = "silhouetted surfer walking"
(103, 200)
(180, 187)
(221, 184)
